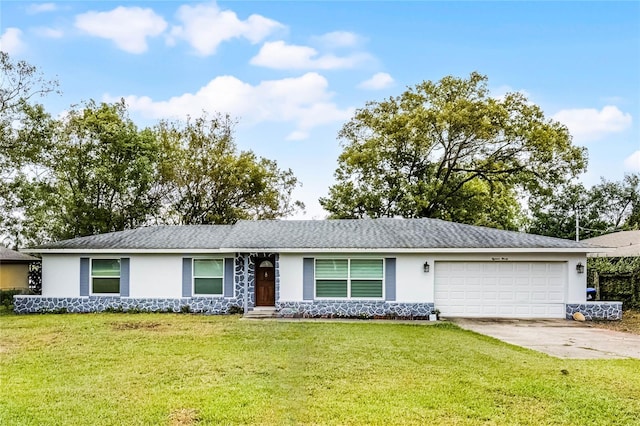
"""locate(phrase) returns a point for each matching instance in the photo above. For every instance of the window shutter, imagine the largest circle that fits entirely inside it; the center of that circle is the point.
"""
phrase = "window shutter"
(84, 276)
(124, 277)
(228, 277)
(307, 278)
(186, 276)
(390, 279)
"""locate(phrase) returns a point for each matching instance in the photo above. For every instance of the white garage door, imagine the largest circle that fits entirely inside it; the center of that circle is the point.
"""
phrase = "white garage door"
(501, 289)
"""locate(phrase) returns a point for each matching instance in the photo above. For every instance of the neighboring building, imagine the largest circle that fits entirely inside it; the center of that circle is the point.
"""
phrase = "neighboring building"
(626, 244)
(14, 269)
(620, 283)
(355, 268)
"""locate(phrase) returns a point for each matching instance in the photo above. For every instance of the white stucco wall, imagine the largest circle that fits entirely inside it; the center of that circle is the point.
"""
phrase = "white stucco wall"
(61, 275)
(150, 275)
(414, 285)
(290, 277)
(155, 275)
(160, 275)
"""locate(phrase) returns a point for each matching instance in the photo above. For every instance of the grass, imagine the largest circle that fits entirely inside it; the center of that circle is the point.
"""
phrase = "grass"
(630, 322)
(171, 369)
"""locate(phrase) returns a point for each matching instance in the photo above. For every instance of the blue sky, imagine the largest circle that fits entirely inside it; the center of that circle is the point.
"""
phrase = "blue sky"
(293, 72)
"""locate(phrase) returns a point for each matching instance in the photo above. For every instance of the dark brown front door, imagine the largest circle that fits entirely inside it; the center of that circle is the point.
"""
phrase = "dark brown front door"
(265, 283)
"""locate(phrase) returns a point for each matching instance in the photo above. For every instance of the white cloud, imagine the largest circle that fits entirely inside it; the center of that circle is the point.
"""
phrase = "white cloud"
(279, 55)
(339, 39)
(378, 81)
(41, 7)
(48, 32)
(128, 27)
(205, 26)
(304, 101)
(297, 135)
(11, 41)
(589, 124)
(632, 162)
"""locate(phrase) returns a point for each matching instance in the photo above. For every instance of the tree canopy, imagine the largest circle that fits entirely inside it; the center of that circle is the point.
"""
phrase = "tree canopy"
(606, 207)
(449, 150)
(206, 180)
(94, 170)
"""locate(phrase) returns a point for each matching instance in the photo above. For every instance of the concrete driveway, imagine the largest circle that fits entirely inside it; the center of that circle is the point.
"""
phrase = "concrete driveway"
(559, 338)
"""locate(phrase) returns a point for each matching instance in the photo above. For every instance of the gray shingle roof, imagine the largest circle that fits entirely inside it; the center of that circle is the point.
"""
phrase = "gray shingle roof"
(384, 233)
(151, 237)
(318, 234)
(12, 256)
(627, 243)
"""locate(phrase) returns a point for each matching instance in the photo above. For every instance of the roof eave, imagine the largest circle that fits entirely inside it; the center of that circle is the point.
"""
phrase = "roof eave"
(317, 250)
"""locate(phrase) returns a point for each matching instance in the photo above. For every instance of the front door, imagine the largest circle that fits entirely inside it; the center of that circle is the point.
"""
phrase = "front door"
(265, 283)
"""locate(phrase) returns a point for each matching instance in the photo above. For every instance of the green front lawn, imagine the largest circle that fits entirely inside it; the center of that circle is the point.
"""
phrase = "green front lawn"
(142, 369)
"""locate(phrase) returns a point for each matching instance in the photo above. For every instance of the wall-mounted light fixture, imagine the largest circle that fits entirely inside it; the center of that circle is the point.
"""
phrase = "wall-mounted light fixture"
(426, 266)
(580, 268)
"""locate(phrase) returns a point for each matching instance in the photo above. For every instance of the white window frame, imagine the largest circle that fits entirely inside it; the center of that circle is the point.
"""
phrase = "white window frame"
(349, 259)
(91, 276)
(193, 277)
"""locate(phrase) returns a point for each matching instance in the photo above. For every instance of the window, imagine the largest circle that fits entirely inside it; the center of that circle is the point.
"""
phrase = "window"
(349, 278)
(105, 276)
(208, 276)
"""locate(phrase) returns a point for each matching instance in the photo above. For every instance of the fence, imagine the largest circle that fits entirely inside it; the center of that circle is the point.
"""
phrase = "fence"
(623, 287)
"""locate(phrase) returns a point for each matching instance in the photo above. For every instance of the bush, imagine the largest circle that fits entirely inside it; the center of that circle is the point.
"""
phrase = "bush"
(6, 296)
(617, 278)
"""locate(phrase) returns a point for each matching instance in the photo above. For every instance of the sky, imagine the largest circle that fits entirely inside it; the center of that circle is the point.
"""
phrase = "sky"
(292, 73)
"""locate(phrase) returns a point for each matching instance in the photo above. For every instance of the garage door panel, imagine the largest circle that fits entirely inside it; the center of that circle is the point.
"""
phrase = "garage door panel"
(505, 294)
(490, 296)
(501, 289)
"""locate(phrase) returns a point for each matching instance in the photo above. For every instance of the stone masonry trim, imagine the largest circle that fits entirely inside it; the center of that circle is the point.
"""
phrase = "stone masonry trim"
(204, 305)
(353, 309)
(596, 310)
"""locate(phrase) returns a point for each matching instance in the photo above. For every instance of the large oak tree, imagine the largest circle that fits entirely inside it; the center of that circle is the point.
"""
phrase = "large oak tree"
(449, 150)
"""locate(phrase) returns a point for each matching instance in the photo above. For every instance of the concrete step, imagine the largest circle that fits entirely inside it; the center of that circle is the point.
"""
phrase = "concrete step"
(261, 314)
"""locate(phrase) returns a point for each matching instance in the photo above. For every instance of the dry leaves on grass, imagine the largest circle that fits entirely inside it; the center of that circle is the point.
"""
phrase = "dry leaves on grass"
(630, 323)
(135, 325)
(184, 417)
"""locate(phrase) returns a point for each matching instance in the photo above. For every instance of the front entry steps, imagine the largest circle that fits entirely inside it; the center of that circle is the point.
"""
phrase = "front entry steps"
(261, 313)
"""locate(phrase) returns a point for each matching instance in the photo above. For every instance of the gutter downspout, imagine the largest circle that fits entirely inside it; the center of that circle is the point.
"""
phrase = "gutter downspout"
(246, 284)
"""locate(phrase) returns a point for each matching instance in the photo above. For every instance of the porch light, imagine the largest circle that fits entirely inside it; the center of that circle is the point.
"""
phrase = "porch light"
(426, 266)
(580, 268)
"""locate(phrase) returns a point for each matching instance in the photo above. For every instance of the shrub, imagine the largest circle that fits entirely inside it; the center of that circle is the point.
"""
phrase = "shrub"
(6, 296)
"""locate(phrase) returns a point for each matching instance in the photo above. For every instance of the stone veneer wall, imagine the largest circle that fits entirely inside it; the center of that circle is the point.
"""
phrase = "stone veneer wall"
(596, 310)
(205, 305)
(239, 276)
(355, 309)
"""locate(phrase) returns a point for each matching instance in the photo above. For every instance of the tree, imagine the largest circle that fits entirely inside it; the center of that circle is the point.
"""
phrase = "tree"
(95, 173)
(448, 150)
(103, 170)
(606, 207)
(206, 180)
(19, 83)
(25, 134)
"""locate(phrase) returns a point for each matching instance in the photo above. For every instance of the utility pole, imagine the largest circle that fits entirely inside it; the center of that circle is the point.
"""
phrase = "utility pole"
(577, 226)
